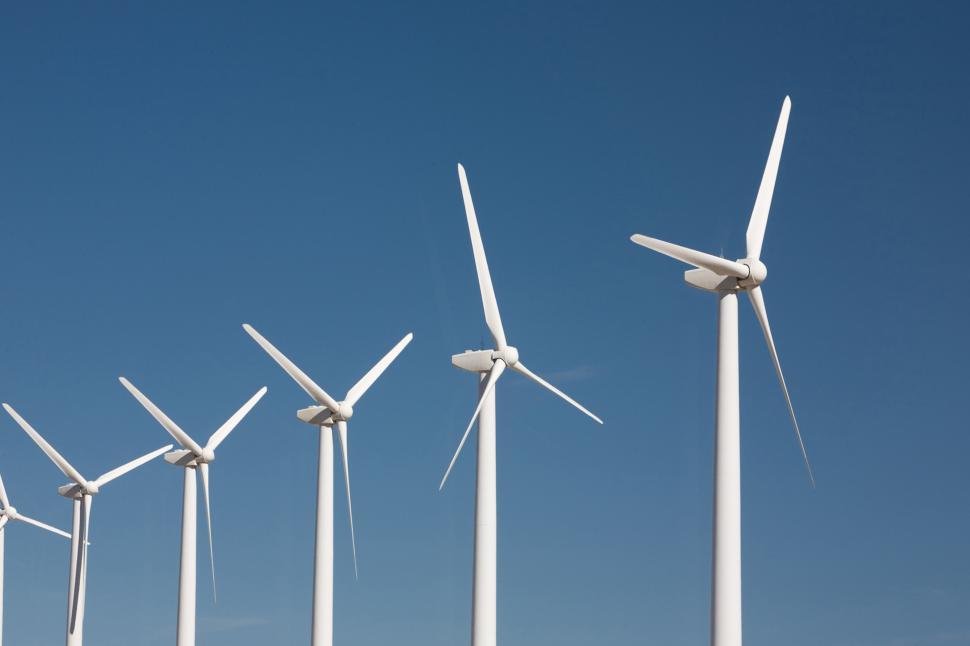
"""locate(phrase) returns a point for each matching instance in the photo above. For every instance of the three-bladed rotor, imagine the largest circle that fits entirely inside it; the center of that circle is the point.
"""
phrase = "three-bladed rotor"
(745, 274)
(194, 454)
(9, 513)
(329, 412)
(80, 490)
(493, 362)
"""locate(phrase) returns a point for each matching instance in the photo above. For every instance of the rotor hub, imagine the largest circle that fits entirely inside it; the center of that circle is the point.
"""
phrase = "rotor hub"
(757, 272)
(344, 412)
(10, 512)
(509, 354)
(91, 488)
(208, 455)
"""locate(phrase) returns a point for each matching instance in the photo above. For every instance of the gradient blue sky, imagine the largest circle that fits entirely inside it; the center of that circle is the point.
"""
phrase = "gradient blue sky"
(169, 173)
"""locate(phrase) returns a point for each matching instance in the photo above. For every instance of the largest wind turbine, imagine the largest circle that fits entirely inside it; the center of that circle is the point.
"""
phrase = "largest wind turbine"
(327, 413)
(192, 457)
(80, 492)
(7, 514)
(489, 365)
(726, 278)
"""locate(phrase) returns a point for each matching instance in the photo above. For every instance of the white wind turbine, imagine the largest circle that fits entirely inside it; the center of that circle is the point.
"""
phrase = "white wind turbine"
(80, 492)
(192, 457)
(7, 514)
(726, 278)
(489, 365)
(327, 413)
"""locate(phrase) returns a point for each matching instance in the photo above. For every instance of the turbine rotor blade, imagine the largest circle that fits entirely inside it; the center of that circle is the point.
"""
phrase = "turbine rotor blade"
(492, 318)
(758, 303)
(497, 369)
(233, 421)
(134, 464)
(3, 521)
(720, 266)
(173, 429)
(300, 377)
(520, 368)
(37, 523)
(3, 495)
(361, 387)
(755, 234)
(204, 473)
(52, 453)
(82, 555)
(345, 449)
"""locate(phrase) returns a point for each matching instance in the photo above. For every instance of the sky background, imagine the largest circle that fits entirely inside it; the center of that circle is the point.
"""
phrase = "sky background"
(168, 173)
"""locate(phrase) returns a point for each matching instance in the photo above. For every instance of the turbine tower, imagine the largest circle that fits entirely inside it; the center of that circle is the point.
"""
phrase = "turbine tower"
(80, 492)
(7, 514)
(726, 278)
(192, 457)
(327, 413)
(489, 365)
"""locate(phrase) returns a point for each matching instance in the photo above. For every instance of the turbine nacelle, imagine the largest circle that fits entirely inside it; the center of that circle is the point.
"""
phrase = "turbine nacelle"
(181, 458)
(74, 490)
(474, 360)
(483, 360)
(711, 281)
(323, 416)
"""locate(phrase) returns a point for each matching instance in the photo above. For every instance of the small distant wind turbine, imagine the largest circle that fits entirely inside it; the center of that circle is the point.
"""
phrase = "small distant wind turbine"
(7, 514)
(191, 457)
(327, 413)
(80, 492)
(489, 365)
(726, 278)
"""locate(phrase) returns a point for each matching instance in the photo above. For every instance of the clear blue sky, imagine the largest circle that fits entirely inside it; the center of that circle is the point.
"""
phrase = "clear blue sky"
(167, 174)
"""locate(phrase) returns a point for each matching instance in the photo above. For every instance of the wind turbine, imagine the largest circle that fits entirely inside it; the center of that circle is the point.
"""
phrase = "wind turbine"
(7, 514)
(325, 414)
(80, 492)
(192, 457)
(489, 365)
(726, 278)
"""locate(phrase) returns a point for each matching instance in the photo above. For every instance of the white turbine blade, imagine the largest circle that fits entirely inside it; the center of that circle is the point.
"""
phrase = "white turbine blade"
(173, 429)
(345, 449)
(37, 523)
(372, 375)
(3, 521)
(204, 472)
(82, 555)
(300, 377)
(520, 368)
(759, 215)
(3, 495)
(55, 457)
(233, 421)
(720, 266)
(134, 464)
(492, 318)
(497, 369)
(758, 303)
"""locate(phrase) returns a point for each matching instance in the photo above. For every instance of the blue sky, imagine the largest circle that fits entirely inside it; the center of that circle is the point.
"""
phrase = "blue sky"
(167, 174)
